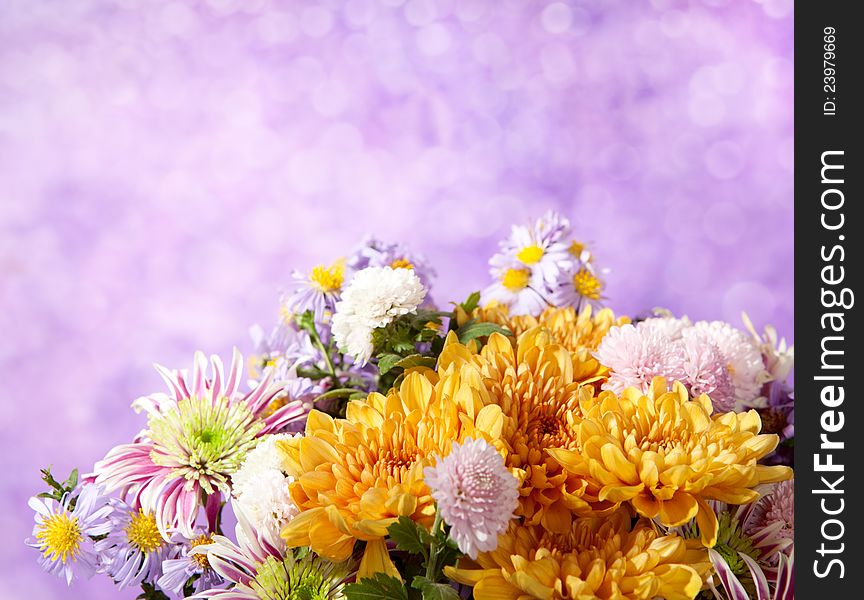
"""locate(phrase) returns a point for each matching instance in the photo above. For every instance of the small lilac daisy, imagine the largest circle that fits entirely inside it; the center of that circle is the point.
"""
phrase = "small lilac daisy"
(540, 265)
(513, 289)
(475, 494)
(284, 341)
(578, 287)
(64, 530)
(318, 291)
(186, 564)
(538, 247)
(134, 549)
(372, 252)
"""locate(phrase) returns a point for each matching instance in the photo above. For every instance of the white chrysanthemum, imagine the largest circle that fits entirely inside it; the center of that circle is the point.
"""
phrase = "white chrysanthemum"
(743, 358)
(373, 298)
(475, 494)
(261, 487)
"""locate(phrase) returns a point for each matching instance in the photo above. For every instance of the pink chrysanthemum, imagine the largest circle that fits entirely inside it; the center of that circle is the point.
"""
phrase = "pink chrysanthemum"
(636, 355)
(743, 357)
(669, 348)
(196, 438)
(703, 370)
(475, 493)
(774, 512)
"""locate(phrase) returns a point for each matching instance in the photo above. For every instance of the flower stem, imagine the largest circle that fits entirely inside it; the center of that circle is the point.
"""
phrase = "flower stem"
(316, 339)
(432, 563)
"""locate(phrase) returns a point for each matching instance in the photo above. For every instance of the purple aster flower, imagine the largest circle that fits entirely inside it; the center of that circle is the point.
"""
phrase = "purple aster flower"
(372, 252)
(134, 549)
(540, 265)
(186, 564)
(513, 289)
(284, 341)
(578, 287)
(64, 530)
(475, 494)
(317, 292)
(540, 248)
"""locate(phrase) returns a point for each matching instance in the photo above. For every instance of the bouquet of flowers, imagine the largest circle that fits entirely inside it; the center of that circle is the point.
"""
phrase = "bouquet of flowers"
(524, 443)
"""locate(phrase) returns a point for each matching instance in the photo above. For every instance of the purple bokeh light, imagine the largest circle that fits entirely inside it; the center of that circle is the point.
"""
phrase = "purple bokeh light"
(164, 167)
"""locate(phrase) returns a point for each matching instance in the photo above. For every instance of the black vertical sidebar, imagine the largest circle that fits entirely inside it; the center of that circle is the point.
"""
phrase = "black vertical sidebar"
(829, 374)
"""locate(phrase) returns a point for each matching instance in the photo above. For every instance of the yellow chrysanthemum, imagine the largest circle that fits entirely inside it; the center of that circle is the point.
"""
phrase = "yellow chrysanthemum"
(579, 332)
(666, 455)
(356, 476)
(597, 559)
(536, 384)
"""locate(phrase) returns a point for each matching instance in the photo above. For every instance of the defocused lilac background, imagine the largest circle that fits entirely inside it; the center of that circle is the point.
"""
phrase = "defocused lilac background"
(164, 165)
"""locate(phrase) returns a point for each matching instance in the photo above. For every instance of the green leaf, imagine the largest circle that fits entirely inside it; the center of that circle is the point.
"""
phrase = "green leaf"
(48, 478)
(403, 346)
(407, 535)
(471, 302)
(151, 593)
(375, 588)
(72, 480)
(434, 591)
(417, 360)
(358, 396)
(472, 330)
(387, 362)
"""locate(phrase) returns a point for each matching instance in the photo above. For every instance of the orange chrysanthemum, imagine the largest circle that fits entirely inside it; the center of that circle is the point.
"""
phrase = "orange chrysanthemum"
(666, 455)
(356, 476)
(579, 332)
(536, 384)
(596, 559)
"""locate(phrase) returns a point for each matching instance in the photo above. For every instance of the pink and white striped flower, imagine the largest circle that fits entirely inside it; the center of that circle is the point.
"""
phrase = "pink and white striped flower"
(197, 436)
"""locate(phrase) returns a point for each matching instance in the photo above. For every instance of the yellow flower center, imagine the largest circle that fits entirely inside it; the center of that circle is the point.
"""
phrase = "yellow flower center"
(576, 248)
(286, 315)
(60, 537)
(587, 285)
(143, 533)
(201, 559)
(516, 279)
(401, 263)
(328, 279)
(275, 404)
(530, 254)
